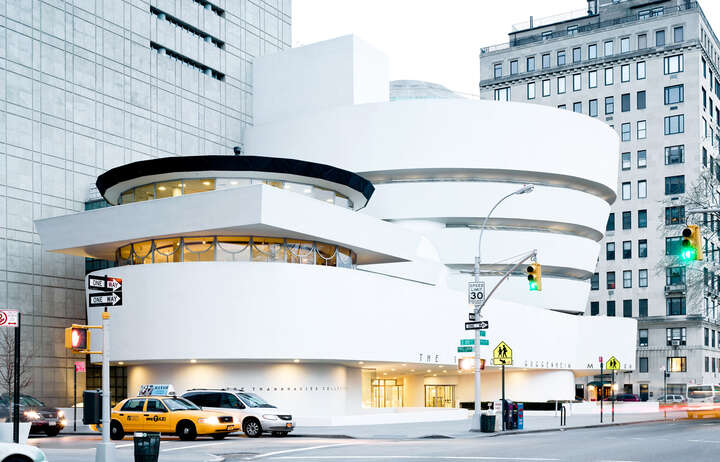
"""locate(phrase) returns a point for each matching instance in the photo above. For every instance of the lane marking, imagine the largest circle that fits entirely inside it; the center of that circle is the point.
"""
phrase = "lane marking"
(704, 441)
(421, 458)
(124, 445)
(191, 447)
(287, 451)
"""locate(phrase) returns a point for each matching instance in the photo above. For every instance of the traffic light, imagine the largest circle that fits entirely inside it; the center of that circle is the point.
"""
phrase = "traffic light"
(534, 276)
(468, 364)
(691, 248)
(77, 338)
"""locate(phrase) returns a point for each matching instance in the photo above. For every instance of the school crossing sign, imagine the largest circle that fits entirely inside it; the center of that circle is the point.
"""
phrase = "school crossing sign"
(612, 364)
(502, 355)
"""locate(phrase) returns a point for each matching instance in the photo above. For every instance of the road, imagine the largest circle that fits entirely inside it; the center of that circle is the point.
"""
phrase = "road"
(695, 441)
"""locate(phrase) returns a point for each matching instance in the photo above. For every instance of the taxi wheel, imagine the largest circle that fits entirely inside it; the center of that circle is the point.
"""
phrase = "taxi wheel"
(186, 431)
(252, 428)
(116, 431)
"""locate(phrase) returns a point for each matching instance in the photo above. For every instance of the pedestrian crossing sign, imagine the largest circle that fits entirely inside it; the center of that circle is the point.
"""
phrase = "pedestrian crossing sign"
(612, 364)
(502, 355)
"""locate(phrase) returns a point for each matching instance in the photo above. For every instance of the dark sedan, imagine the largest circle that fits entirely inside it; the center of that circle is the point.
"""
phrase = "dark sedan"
(43, 419)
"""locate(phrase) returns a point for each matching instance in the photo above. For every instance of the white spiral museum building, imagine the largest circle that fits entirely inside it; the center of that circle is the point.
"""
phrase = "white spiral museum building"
(323, 267)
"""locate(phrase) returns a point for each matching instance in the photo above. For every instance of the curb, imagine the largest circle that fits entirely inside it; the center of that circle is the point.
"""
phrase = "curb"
(562, 429)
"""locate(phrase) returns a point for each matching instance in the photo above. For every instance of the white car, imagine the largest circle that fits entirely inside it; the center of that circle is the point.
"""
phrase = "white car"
(255, 414)
(12, 452)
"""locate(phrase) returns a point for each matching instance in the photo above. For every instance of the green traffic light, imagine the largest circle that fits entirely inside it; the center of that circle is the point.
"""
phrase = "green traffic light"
(533, 285)
(688, 254)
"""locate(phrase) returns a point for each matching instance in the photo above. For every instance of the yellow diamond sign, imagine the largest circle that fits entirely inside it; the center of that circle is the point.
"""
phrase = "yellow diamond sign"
(612, 364)
(502, 355)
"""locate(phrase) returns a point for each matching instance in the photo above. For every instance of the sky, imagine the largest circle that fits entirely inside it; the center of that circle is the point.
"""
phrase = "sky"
(434, 40)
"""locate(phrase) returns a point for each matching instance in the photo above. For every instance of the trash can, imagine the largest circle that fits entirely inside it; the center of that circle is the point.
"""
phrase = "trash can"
(487, 423)
(147, 446)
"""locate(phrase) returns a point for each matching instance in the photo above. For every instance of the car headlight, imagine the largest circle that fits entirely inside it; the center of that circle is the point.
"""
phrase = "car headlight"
(32, 415)
(270, 417)
(61, 414)
(209, 420)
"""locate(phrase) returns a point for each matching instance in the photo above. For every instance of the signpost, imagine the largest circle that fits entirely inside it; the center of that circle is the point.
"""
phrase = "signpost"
(613, 365)
(79, 367)
(602, 386)
(99, 299)
(11, 319)
(477, 325)
(502, 356)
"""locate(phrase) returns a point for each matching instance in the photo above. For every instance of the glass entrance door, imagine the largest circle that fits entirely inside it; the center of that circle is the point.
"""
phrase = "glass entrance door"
(387, 393)
(439, 395)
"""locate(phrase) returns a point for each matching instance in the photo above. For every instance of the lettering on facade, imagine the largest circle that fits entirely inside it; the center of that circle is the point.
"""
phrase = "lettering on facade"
(430, 358)
(295, 388)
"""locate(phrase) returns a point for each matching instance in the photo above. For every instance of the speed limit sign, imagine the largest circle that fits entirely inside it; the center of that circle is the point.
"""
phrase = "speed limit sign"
(476, 293)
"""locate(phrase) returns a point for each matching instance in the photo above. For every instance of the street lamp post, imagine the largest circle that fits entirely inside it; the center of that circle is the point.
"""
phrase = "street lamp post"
(475, 425)
(666, 374)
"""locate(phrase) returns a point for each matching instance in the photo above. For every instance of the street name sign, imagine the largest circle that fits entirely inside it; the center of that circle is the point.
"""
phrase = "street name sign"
(484, 342)
(104, 299)
(612, 364)
(104, 283)
(476, 293)
(502, 355)
(8, 318)
(465, 349)
(467, 341)
(476, 325)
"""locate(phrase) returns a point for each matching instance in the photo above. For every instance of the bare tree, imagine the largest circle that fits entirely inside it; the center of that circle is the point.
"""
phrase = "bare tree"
(7, 363)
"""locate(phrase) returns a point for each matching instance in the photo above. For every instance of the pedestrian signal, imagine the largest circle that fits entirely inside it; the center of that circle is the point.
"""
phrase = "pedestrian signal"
(77, 338)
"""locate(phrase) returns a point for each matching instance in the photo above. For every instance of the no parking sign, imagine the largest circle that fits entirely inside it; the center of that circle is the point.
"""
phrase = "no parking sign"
(8, 318)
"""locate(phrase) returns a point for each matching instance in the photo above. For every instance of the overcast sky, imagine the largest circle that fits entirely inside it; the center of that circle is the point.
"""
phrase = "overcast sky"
(434, 40)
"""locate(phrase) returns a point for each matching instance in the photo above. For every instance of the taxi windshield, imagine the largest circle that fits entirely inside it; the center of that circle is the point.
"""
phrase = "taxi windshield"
(180, 404)
(253, 400)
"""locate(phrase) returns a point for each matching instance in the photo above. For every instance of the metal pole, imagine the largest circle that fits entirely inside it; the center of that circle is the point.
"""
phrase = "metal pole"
(612, 390)
(602, 386)
(503, 396)
(16, 393)
(75, 398)
(105, 451)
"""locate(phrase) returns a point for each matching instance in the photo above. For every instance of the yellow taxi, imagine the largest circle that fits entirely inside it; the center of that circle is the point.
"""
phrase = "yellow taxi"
(166, 413)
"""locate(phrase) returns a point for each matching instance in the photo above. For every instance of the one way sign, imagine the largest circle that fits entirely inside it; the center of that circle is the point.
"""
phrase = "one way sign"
(104, 283)
(105, 299)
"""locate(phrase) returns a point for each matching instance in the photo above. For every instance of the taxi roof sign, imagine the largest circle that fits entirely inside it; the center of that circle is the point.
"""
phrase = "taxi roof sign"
(156, 390)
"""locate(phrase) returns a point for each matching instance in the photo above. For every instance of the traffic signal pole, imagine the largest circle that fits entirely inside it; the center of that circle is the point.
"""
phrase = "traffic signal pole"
(16, 380)
(105, 451)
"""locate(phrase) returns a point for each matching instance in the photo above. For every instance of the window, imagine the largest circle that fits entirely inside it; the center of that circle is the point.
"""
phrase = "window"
(133, 405)
(577, 82)
(627, 249)
(642, 218)
(561, 85)
(660, 38)
(674, 275)
(592, 51)
(704, 157)
(673, 64)
(609, 104)
(643, 337)
(674, 154)
(611, 279)
(625, 132)
(707, 361)
(642, 189)
(672, 245)
(608, 48)
(593, 108)
(642, 248)
(546, 87)
(501, 94)
(513, 67)
(675, 306)
(642, 159)
(626, 191)
(625, 161)
(678, 34)
(642, 41)
(627, 279)
(609, 76)
(643, 278)
(675, 184)
(561, 58)
(610, 251)
(627, 308)
(562, 106)
(610, 226)
(675, 94)
(677, 364)
(626, 220)
(546, 61)
(595, 281)
(572, 30)
(154, 405)
(577, 55)
(641, 72)
(675, 215)
(610, 306)
(531, 90)
(641, 100)
(625, 73)
(547, 35)
(592, 79)
(625, 102)
(530, 64)
(643, 308)
(641, 129)
(643, 365)
(577, 107)
(707, 340)
(624, 44)
(497, 70)
(704, 98)
(678, 334)
(675, 124)
(594, 308)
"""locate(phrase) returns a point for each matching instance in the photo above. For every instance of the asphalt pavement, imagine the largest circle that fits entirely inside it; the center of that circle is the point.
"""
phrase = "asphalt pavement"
(681, 440)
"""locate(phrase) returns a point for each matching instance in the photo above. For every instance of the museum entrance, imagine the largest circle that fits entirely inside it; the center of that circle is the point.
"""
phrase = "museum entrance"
(439, 395)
